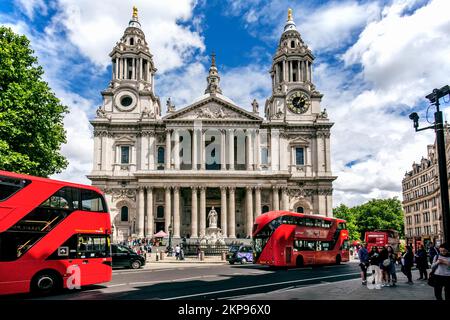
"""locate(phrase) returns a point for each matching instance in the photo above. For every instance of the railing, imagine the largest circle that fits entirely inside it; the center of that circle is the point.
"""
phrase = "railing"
(192, 249)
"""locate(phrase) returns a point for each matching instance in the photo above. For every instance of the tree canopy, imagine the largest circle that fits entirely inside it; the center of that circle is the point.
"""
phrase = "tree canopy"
(31, 116)
(374, 214)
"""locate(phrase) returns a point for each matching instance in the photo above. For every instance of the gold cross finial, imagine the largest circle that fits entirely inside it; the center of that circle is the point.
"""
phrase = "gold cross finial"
(289, 14)
(135, 12)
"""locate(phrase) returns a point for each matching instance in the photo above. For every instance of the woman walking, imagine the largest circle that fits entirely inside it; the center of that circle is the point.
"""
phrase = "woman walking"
(441, 271)
(392, 271)
(385, 266)
(422, 262)
(407, 263)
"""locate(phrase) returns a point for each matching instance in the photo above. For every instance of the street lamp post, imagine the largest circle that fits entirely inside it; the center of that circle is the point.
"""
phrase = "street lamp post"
(442, 162)
(170, 239)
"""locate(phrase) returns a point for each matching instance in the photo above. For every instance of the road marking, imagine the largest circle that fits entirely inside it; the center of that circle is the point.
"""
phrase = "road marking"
(162, 281)
(262, 285)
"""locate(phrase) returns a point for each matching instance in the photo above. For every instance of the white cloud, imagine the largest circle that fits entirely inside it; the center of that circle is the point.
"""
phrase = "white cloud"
(31, 6)
(94, 27)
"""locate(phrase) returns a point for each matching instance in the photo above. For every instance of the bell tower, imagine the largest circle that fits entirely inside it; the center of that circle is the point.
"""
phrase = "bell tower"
(294, 96)
(131, 92)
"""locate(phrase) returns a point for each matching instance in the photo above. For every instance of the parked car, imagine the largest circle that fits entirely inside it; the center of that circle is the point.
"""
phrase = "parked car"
(123, 256)
(240, 254)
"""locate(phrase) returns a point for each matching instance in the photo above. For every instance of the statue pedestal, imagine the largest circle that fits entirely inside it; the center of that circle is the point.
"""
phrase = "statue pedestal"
(213, 236)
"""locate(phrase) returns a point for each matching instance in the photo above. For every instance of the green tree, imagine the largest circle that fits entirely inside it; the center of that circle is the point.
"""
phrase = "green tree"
(31, 116)
(348, 214)
(380, 214)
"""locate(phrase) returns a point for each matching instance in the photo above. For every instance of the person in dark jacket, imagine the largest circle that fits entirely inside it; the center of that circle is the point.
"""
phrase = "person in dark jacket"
(363, 256)
(432, 252)
(374, 260)
(422, 262)
(392, 271)
(407, 263)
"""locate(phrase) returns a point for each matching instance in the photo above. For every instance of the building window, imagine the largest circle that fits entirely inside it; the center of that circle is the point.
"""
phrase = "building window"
(161, 154)
(299, 156)
(292, 44)
(124, 213)
(131, 41)
(125, 154)
(300, 210)
(264, 155)
(160, 212)
(265, 209)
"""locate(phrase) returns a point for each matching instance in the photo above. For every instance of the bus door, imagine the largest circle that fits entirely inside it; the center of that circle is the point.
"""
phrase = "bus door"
(288, 255)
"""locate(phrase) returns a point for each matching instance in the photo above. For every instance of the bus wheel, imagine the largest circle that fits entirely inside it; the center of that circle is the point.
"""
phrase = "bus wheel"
(338, 259)
(299, 261)
(45, 282)
(135, 264)
(231, 262)
(243, 260)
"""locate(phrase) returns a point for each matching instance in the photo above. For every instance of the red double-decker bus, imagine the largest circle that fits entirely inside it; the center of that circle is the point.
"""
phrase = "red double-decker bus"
(53, 235)
(289, 239)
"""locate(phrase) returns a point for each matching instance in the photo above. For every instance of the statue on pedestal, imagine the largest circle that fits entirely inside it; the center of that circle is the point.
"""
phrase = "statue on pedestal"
(212, 218)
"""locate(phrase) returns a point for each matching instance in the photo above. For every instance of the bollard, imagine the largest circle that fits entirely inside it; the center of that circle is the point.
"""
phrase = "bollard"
(224, 256)
(202, 255)
(157, 256)
(161, 256)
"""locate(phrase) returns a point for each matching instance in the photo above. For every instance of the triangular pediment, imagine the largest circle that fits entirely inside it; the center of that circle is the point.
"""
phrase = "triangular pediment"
(213, 107)
(299, 141)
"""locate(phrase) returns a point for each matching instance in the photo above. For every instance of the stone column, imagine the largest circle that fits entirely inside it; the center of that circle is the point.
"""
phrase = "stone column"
(284, 199)
(194, 149)
(97, 151)
(249, 211)
(141, 209)
(223, 159)
(299, 79)
(176, 149)
(168, 147)
(223, 210)
(202, 150)
(320, 154)
(327, 153)
(248, 144)
(258, 151)
(194, 213)
(176, 212)
(276, 199)
(167, 209)
(275, 149)
(150, 222)
(290, 71)
(117, 68)
(257, 201)
(143, 151)
(202, 215)
(232, 214)
(151, 151)
(231, 148)
(133, 69)
(140, 68)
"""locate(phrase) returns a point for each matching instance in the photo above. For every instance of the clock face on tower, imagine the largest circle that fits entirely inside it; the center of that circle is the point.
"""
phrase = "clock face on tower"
(298, 102)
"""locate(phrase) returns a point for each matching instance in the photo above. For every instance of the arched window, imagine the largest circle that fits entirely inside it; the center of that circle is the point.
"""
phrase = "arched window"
(265, 209)
(160, 155)
(160, 212)
(292, 44)
(131, 41)
(124, 213)
(300, 210)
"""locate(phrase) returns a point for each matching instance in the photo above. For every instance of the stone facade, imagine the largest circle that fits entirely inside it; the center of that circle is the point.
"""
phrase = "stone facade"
(421, 199)
(160, 171)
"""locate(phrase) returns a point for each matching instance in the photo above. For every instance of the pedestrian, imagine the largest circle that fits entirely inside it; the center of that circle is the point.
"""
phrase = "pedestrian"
(177, 252)
(407, 263)
(374, 260)
(432, 252)
(392, 271)
(363, 256)
(422, 262)
(440, 271)
(385, 263)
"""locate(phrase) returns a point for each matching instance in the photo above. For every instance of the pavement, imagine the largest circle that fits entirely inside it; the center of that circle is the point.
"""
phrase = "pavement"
(351, 289)
(192, 261)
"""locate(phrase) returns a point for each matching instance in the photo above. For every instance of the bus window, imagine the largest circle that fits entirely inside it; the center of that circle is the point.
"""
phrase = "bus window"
(9, 186)
(92, 246)
(318, 223)
(309, 222)
(305, 245)
(326, 224)
(341, 225)
(325, 245)
(92, 201)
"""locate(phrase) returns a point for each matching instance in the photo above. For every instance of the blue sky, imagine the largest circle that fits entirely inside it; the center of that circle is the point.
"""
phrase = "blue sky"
(375, 62)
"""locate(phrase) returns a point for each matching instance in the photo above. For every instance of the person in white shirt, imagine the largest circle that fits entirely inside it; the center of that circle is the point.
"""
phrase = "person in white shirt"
(441, 271)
